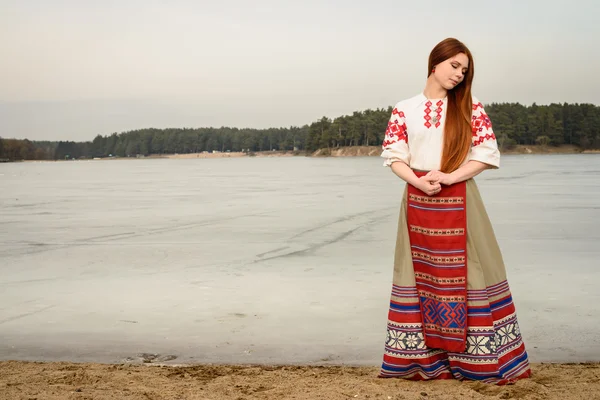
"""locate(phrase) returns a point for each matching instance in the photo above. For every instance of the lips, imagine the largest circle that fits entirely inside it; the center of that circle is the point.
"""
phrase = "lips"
(454, 82)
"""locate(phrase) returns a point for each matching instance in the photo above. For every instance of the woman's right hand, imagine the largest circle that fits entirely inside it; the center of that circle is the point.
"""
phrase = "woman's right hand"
(428, 186)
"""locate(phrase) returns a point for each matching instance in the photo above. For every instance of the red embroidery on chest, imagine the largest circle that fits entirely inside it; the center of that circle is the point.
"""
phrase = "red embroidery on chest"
(427, 112)
(437, 118)
(439, 112)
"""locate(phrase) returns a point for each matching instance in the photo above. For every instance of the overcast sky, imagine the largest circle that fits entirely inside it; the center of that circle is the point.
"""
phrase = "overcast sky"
(72, 69)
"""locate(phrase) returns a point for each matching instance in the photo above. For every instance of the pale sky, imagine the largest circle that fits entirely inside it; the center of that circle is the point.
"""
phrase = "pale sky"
(72, 69)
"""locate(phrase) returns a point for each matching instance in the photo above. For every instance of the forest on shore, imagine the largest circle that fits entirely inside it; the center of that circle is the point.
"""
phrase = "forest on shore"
(514, 124)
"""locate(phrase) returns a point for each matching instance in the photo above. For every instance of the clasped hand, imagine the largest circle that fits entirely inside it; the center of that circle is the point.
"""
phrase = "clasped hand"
(431, 184)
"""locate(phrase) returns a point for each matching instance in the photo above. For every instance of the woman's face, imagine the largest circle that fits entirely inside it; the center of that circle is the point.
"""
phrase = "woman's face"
(451, 72)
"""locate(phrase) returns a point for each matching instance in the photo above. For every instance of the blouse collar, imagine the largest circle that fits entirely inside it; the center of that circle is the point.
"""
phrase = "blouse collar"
(424, 98)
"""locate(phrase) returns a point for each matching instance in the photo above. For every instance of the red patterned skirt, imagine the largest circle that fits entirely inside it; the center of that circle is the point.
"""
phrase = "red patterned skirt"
(451, 310)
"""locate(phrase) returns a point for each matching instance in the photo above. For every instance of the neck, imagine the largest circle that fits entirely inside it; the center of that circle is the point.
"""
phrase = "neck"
(433, 90)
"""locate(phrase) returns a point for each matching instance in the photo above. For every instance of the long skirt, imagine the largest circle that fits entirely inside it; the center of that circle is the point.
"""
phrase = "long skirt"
(493, 350)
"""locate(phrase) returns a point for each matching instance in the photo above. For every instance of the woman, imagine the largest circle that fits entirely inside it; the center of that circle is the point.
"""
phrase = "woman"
(451, 312)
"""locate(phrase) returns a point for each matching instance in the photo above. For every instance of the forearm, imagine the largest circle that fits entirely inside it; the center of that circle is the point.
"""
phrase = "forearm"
(468, 171)
(404, 172)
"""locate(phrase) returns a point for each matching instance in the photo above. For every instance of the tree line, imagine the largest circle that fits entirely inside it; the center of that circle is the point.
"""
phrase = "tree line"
(513, 123)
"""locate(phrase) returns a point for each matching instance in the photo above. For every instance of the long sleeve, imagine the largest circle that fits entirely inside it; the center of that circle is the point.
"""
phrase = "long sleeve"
(395, 143)
(484, 147)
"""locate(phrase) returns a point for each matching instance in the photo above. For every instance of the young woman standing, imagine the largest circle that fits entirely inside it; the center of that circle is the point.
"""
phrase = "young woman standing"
(451, 311)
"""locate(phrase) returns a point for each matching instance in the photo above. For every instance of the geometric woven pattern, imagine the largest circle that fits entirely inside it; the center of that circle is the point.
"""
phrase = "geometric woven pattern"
(403, 340)
(438, 242)
(494, 351)
(480, 345)
(445, 314)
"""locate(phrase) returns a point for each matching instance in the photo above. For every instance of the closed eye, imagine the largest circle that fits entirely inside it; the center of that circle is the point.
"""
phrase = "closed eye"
(458, 65)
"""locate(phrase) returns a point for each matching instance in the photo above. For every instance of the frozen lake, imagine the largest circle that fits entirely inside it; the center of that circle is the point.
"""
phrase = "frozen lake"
(268, 260)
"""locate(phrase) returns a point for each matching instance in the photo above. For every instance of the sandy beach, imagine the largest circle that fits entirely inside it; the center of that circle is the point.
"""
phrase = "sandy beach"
(59, 380)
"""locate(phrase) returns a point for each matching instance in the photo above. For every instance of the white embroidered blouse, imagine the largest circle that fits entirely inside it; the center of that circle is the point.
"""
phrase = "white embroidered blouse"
(415, 134)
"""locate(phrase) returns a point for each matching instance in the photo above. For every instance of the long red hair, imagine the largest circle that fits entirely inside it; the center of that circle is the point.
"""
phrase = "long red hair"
(457, 129)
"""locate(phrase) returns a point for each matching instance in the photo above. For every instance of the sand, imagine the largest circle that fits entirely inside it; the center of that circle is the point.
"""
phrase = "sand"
(62, 380)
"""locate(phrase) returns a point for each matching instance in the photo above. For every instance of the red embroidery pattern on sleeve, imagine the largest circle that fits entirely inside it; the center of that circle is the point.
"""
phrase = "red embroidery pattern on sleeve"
(396, 129)
(479, 123)
(476, 106)
(481, 139)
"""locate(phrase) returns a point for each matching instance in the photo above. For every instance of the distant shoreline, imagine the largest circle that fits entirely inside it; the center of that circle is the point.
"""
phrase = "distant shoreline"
(519, 149)
(371, 151)
(348, 151)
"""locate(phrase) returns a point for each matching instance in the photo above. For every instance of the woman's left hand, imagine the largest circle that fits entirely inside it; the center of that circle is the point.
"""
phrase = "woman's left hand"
(441, 177)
